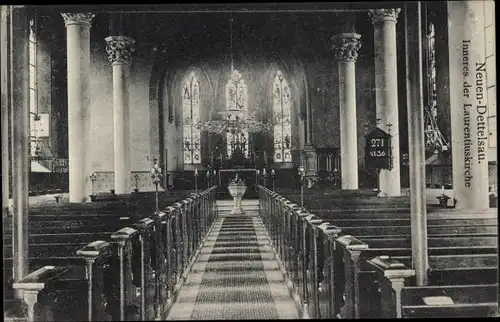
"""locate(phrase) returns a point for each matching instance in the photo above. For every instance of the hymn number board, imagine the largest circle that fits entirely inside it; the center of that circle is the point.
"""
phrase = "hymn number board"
(378, 150)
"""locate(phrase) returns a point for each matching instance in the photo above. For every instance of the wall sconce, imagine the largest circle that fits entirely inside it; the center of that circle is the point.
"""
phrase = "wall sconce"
(136, 177)
(93, 178)
(156, 176)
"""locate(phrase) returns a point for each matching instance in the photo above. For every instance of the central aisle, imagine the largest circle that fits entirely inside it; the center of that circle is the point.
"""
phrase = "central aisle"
(235, 277)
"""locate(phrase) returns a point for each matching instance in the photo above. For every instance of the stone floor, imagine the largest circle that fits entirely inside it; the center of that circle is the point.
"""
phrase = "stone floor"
(235, 276)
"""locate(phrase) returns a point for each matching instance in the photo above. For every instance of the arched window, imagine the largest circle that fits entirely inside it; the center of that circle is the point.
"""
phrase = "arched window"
(434, 138)
(34, 117)
(191, 116)
(431, 63)
(282, 119)
(236, 103)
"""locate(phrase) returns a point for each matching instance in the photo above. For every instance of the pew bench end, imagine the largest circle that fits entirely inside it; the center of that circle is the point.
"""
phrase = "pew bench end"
(391, 268)
(39, 278)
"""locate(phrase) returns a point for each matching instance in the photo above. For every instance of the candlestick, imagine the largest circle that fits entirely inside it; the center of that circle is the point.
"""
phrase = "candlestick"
(301, 171)
(196, 180)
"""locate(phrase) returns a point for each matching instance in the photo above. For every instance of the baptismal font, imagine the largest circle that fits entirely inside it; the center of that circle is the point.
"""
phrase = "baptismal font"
(237, 189)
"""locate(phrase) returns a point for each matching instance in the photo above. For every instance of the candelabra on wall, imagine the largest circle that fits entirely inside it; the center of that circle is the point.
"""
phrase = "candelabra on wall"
(405, 159)
(136, 178)
(93, 179)
(156, 176)
(389, 126)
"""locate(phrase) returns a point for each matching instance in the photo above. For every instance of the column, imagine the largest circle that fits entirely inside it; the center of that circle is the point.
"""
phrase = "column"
(415, 107)
(19, 75)
(120, 49)
(79, 122)
(469, 104)
(386, 92)
(5, 103)
(346, 48)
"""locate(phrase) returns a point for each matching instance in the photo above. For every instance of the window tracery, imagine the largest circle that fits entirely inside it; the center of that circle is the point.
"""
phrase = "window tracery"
(34, 117)
(282, 119)
(237, 106)
(191, 116)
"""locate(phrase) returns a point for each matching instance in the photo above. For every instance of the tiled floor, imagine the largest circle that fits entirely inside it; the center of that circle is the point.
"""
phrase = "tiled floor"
(235, 277)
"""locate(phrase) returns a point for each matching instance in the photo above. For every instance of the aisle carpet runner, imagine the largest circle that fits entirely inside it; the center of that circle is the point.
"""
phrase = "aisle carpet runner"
(235, 276)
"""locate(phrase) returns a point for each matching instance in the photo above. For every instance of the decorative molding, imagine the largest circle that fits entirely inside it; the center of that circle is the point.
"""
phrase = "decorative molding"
(120, 49)
(346, 46)
(380, 15)
(78, 18)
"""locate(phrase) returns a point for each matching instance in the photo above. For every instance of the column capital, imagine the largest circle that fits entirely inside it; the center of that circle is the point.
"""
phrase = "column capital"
(78, 18)
(379, 15)
(120, 49)
(346, 46)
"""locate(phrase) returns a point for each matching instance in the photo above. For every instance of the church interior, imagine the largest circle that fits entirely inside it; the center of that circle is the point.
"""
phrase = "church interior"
(235, 161)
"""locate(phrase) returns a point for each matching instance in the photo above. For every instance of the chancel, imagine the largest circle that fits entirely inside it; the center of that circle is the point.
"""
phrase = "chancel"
(249, 161)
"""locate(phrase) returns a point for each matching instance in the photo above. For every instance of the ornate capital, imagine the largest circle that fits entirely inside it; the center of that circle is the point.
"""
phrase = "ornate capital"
(120, 49)
(74, 18)
(346, 46)
(379, 15)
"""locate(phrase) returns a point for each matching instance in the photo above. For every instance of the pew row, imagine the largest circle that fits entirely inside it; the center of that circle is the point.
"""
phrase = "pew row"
(137, 273)
(399, 300)
(328, 268)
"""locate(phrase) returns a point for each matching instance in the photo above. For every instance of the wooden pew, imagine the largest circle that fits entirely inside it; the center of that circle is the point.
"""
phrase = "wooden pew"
(38, 294)
(360, 286)
(355, 281)
(55, 238)
(137, 256)
(405, 221)
(142, 197)
(400, 248)
(399, 300)
(474, 240)
(431, 230)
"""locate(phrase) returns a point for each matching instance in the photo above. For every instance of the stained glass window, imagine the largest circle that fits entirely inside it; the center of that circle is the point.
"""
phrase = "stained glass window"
(32, 87)
(282, 119)
(434, 140)
(431, 38)
(191, 116)
(236, 103)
